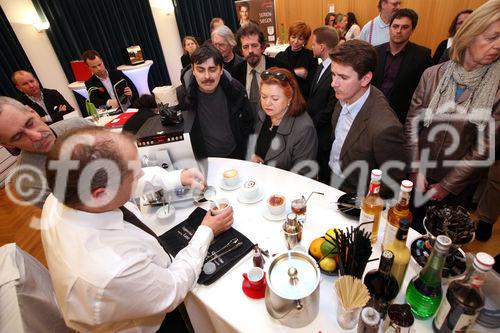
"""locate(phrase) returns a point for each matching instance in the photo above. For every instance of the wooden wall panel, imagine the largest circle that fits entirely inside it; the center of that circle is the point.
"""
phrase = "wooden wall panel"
(435, 16)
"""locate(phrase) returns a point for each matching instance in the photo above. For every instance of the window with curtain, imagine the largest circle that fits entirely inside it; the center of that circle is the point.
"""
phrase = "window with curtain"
(108, 27)
(193, 16)
(13, 57)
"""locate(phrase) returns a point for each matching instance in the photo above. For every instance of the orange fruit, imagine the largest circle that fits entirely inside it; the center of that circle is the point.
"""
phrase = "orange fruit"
(315, 247)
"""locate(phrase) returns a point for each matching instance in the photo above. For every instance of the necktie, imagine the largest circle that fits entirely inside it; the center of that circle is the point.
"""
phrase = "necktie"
(130, 217)
(317, 74)
(254, 87)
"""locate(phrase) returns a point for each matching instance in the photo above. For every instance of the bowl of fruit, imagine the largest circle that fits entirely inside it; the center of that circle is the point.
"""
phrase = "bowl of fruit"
(324, 250)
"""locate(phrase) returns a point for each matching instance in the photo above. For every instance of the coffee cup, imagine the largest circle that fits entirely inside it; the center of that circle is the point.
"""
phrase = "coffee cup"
(250, 190)
(231, 177)
(256, 277)
(222, 204)
(276, 204)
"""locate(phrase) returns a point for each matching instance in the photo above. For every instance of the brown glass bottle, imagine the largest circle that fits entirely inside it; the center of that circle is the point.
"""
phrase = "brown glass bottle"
(399, 211)
(372, 206)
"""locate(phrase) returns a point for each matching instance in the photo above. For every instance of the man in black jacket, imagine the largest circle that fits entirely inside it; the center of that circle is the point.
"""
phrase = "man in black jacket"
(401, 62)
(252, 44)
(223, 120)
(104, 80)
(48, 103)
(322, 99)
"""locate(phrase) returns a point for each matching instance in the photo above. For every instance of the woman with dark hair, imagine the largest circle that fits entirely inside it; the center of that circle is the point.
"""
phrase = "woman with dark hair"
(189, 45)
(352, 28)
(297, 57)
(286, 134)
(340, 24)
(450, 129)
(330, 19)
(446, 44)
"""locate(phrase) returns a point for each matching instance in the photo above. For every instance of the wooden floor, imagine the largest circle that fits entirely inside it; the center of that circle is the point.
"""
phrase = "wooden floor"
(20, 224)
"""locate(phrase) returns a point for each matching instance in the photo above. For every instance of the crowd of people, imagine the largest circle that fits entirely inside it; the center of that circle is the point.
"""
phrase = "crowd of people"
(360, 99)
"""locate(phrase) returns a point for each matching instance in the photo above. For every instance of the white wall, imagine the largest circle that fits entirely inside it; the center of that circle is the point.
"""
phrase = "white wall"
(22, 14)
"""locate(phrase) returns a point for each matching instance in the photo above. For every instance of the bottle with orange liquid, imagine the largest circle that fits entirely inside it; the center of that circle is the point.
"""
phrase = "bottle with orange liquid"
(372, 206)
(400, 211)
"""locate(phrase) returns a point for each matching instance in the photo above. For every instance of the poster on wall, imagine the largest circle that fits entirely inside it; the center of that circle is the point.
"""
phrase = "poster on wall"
(260, 12)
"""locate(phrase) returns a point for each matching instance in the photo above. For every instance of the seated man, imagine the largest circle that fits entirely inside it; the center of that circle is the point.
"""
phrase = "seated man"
(401, 63)
(48, 103)
(223, 120)
(367, 134)
(109, 270)
(21, 128)
(104, 81)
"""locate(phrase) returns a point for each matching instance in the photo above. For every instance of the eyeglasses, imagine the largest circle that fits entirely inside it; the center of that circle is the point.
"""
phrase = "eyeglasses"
(277, 75)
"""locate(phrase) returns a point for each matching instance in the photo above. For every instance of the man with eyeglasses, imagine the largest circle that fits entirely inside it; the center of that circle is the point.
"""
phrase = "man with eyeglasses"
(224, 41)
(376, 31)
(223, 119)
(252, 44)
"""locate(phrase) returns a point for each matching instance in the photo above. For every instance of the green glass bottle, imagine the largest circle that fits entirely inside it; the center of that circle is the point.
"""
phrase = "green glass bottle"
(424, 291)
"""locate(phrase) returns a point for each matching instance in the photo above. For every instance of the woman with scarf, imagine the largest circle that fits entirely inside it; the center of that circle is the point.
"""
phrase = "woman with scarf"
(451, 123)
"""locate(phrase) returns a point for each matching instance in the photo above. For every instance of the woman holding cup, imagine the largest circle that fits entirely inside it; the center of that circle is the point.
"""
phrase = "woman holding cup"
(285, 132)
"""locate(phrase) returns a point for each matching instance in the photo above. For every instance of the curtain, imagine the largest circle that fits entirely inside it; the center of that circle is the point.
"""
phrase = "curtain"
(107, 26)
(193, 16)
(13, 57)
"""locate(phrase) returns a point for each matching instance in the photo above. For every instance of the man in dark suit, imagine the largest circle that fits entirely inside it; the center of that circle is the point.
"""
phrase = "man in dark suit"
(322, 99)
(48, 103)
(252, 44)
(401, 62)
(104, 80)
(367, 134)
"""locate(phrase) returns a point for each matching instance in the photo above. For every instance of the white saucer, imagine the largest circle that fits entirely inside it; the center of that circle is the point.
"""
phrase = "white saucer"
(271, 217)
(241, 198)
(224, 187)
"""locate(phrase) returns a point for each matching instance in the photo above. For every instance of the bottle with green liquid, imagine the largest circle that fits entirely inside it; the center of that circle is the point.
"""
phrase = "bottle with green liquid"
(424, 291)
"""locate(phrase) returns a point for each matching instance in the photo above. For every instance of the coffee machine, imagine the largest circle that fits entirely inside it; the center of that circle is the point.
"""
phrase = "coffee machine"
(168, 147)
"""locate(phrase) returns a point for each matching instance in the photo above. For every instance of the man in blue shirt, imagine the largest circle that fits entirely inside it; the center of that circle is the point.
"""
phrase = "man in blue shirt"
(366, 132)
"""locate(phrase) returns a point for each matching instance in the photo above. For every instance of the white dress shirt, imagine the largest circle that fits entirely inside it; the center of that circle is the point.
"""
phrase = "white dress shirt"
(258, 69)
(326, 66)
(380, 32)
(346, 118)
(109, 87)
(109, 275)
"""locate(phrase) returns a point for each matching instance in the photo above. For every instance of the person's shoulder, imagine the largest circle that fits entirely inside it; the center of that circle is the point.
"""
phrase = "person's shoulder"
(66, 124)
(304, 121)
(419, 48)
(382, 47)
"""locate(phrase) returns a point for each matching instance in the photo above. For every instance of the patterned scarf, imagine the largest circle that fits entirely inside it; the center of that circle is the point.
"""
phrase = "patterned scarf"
(482, 81)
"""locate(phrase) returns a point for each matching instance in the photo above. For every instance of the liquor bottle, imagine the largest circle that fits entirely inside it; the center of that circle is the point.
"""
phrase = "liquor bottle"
(258, 260)
(401, 252)
(464, 298)
(382, 286)
(372, 206)
(424, 291)
(396, 213)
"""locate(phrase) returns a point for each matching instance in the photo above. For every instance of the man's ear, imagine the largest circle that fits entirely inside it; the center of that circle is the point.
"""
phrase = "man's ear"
(366, 79)
(98, 193)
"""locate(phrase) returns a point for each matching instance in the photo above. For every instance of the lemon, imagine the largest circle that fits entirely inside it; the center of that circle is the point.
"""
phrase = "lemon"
(328, 264)
(315, 247)
(327, 248)
(330, 234)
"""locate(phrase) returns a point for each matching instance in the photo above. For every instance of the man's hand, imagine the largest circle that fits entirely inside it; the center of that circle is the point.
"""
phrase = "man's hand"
(301, 72)
(420, 182)
(256, 159)
(113, 103)
(62, 108)
(219, 223)
(127, 91)
(438, 192)
(193, 178)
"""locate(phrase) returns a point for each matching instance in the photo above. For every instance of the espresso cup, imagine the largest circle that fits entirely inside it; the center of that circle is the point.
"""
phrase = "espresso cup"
(276, 204)
(231, 177)
(223, 205)
(250, 190)
(256, 277)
